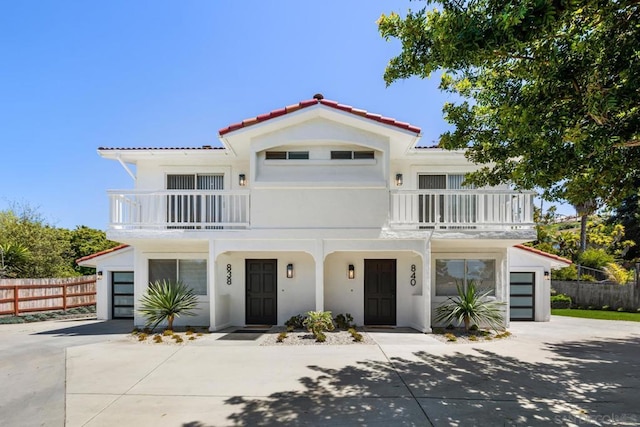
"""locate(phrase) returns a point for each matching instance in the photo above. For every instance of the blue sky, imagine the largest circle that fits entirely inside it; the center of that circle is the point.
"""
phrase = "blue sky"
(78, 75)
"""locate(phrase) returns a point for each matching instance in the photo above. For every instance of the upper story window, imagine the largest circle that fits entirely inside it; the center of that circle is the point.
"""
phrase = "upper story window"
(287, 155)
(195, 182)
(351, 155)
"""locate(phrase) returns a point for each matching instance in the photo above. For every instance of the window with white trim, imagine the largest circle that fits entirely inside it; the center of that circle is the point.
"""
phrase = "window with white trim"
(451, 273)
(191, 272)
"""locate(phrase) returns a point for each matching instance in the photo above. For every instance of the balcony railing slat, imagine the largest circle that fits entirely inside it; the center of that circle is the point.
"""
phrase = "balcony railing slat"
(461, 209)
(178, 209)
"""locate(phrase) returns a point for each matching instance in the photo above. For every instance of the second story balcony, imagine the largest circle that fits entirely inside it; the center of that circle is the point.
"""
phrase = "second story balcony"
(207, 210)
(178, 209)
(477, 209)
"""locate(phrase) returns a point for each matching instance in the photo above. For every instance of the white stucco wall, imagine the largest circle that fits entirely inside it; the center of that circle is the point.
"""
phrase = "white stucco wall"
(121, 260)
(344, 295)
(523, 261)
(295, 295)
(463, 252)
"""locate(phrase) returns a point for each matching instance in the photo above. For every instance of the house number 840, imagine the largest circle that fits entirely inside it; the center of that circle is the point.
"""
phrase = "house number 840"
(413, 275)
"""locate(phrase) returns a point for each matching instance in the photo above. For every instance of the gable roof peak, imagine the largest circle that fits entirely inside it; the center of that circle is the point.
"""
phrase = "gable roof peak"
(318, 99)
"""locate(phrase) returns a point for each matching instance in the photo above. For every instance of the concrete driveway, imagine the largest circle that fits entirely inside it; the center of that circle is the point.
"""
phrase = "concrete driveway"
(566, 372)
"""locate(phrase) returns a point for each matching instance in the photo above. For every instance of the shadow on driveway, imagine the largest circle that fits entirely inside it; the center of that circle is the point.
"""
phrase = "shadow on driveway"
(108, 327)
(590, 382)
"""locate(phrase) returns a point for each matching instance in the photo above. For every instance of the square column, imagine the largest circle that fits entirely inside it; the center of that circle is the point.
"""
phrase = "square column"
(427, 286)
(318, 257)
(212, 285)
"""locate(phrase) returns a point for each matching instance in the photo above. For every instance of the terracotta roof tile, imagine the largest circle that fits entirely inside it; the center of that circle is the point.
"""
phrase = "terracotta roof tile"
(204, 147)
(328, 103)
(97, 254)
(544, 254)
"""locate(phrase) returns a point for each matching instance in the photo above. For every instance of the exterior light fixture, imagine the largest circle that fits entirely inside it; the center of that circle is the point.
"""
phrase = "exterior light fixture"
(289, 271)
(352, 272)
(242, 180)
(99, 275)
(547, 275)
(398, 179)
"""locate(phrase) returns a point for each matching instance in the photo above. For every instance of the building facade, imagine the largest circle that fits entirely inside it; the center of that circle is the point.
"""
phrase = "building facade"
(315, 206)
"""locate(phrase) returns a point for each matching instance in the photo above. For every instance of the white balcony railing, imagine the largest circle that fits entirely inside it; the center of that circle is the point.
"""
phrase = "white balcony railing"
(461, 209)
(178, 209)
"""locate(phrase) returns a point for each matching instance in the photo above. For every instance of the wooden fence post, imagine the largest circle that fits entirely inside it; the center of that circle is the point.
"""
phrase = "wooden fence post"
(64, 297)
(16, 300)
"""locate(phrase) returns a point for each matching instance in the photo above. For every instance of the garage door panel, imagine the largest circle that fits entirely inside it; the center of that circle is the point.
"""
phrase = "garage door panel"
(522, 296)
(521, 289)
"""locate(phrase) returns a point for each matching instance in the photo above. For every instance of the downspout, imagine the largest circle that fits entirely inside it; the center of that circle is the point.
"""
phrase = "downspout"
(126, 168)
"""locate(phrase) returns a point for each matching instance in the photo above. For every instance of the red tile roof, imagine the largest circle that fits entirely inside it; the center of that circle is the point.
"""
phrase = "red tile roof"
(544, 254)
(315, 101)
(97, 254)
(204, 147)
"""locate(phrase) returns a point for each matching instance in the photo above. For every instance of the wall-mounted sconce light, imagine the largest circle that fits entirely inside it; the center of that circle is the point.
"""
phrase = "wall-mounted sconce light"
(289, 271)
(398, 179)
(352, 272)
(99, 275)
(547, 275)
(242, 180)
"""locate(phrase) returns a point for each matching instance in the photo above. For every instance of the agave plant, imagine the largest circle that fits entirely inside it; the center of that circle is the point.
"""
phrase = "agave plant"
(166, 300)
(471, 307)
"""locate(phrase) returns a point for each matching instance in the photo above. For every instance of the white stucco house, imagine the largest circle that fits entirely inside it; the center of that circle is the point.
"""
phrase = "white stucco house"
(315, 206)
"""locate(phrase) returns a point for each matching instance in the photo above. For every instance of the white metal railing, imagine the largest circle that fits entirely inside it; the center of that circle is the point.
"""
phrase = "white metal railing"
(178, 209)
(461, 209)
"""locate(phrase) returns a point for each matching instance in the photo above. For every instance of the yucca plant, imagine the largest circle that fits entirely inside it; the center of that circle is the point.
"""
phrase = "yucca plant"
(471, 307)
(166, 300)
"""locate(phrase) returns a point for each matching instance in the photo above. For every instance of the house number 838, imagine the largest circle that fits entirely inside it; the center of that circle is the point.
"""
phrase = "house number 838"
(413, 275)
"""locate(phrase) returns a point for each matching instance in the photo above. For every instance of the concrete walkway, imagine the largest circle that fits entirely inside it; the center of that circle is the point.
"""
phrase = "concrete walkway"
(566, 372)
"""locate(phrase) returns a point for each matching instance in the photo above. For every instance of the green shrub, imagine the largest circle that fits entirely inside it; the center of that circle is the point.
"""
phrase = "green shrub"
(450, 337)
(560, 301)
(567, 273)
(295, 322)
(357, 336)
(618, 274)
(587, 278)
(606, 307)
(595, 258)
(318, 322)
(344, 321)
(281, 337)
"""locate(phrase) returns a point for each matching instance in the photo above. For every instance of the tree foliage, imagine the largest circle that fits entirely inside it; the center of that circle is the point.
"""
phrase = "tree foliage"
(34, 248)
(606, 240)
(627, 214)
(549, 90)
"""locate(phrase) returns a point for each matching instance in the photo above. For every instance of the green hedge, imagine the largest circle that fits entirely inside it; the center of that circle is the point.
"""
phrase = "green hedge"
(560, 301)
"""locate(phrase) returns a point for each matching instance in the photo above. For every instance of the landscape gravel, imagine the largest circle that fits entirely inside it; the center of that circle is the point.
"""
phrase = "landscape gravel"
(299, 337)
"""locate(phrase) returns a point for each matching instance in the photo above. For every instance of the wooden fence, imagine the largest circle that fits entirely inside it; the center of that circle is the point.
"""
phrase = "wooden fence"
(30, 295)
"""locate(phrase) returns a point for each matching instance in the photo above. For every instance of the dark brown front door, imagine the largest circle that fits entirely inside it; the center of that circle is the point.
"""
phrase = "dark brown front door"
(262, 286)
(380, 291)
